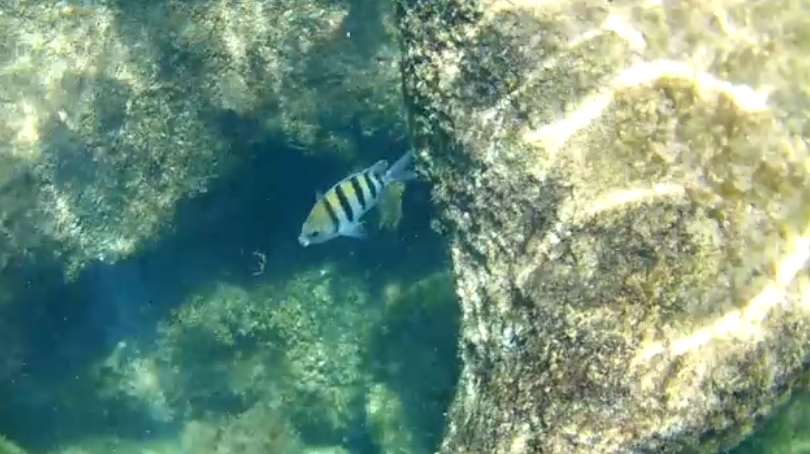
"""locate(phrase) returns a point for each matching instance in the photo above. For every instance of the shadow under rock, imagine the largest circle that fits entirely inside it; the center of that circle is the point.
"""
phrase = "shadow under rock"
(258, 206)
(414, 351)
(69, 326)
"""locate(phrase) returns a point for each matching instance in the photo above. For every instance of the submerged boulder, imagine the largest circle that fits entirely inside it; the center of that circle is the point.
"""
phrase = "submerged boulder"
(624, 185)
(113, 113)
(97, 144)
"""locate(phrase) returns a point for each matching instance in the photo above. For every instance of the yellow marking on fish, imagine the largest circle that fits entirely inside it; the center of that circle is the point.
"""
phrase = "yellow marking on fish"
(319, 214)
(332, 199)
(348, 190)
(351, 196)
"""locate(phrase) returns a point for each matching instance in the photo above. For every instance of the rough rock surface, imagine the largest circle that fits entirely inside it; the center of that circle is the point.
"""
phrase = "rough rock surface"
(111, 113)
(625, 188)
(96, 144)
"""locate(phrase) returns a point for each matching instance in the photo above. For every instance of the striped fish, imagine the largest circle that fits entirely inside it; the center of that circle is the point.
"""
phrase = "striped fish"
(340, 210)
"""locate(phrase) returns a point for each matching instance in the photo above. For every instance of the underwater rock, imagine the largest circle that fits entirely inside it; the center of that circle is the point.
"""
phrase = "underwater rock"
(298, 344)
(624, 185)
(384, 419)
(99, 143)
(301, 339)
(785, 433)
(261, 429)
(316, 75)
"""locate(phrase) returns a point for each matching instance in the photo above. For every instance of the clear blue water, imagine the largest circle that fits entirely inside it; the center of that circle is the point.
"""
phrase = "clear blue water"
(70, 391)
(221, 334)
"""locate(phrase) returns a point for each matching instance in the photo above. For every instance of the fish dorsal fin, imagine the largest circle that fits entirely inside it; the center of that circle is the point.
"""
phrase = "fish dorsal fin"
(318, 196)
(379, 167)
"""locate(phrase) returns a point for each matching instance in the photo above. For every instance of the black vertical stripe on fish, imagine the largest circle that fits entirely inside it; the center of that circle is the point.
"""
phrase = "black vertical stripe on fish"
(345, 204)
(333, 217)
(378, 182)
(351, 195)
(371, 184)
(358, 189)
(366, 185)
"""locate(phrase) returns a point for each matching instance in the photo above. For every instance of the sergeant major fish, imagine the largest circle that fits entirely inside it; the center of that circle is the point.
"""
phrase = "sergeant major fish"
(340, 210)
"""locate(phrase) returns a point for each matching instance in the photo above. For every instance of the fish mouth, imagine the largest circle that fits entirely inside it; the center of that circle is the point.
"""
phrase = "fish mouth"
(303, 241)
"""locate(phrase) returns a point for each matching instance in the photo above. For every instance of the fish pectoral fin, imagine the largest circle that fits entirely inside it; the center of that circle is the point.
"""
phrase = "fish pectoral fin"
(355, 230)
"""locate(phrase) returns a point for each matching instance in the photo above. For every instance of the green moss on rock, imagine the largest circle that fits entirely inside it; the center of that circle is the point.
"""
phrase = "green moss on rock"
(7, 447)
(385, 419)
(785, 432)
(99, 145)
(627, 212)
(415, 363)
(100, 142)
(296, 345)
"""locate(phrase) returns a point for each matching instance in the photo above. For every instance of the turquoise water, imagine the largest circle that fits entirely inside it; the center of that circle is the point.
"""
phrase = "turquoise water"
(157, 160)
(784, 432)
(230, 331)
(155, 296)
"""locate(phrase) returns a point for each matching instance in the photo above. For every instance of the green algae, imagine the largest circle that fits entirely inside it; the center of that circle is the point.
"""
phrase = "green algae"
(619, 215)
(7, 447)
(315, 357)
(784, 432)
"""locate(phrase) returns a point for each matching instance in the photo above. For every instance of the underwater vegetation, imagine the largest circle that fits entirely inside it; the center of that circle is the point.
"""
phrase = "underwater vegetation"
(624, 189)
(7, 447)
(318, 361)
(606, 249)
(100, 144)
(156, 161)
(784, 432)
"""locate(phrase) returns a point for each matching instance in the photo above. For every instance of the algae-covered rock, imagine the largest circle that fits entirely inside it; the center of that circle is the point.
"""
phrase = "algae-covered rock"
(385, 421)
(317, 75)
(784, 433)
(416, 365)
(296, 346)
(7, 447)
(261, 429)
(300, 342)
(97, 145)
(113, 112)
(625, 188)
(108, 444)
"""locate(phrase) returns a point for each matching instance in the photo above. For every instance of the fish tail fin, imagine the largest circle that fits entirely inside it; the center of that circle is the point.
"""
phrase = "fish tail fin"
(399, 171)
